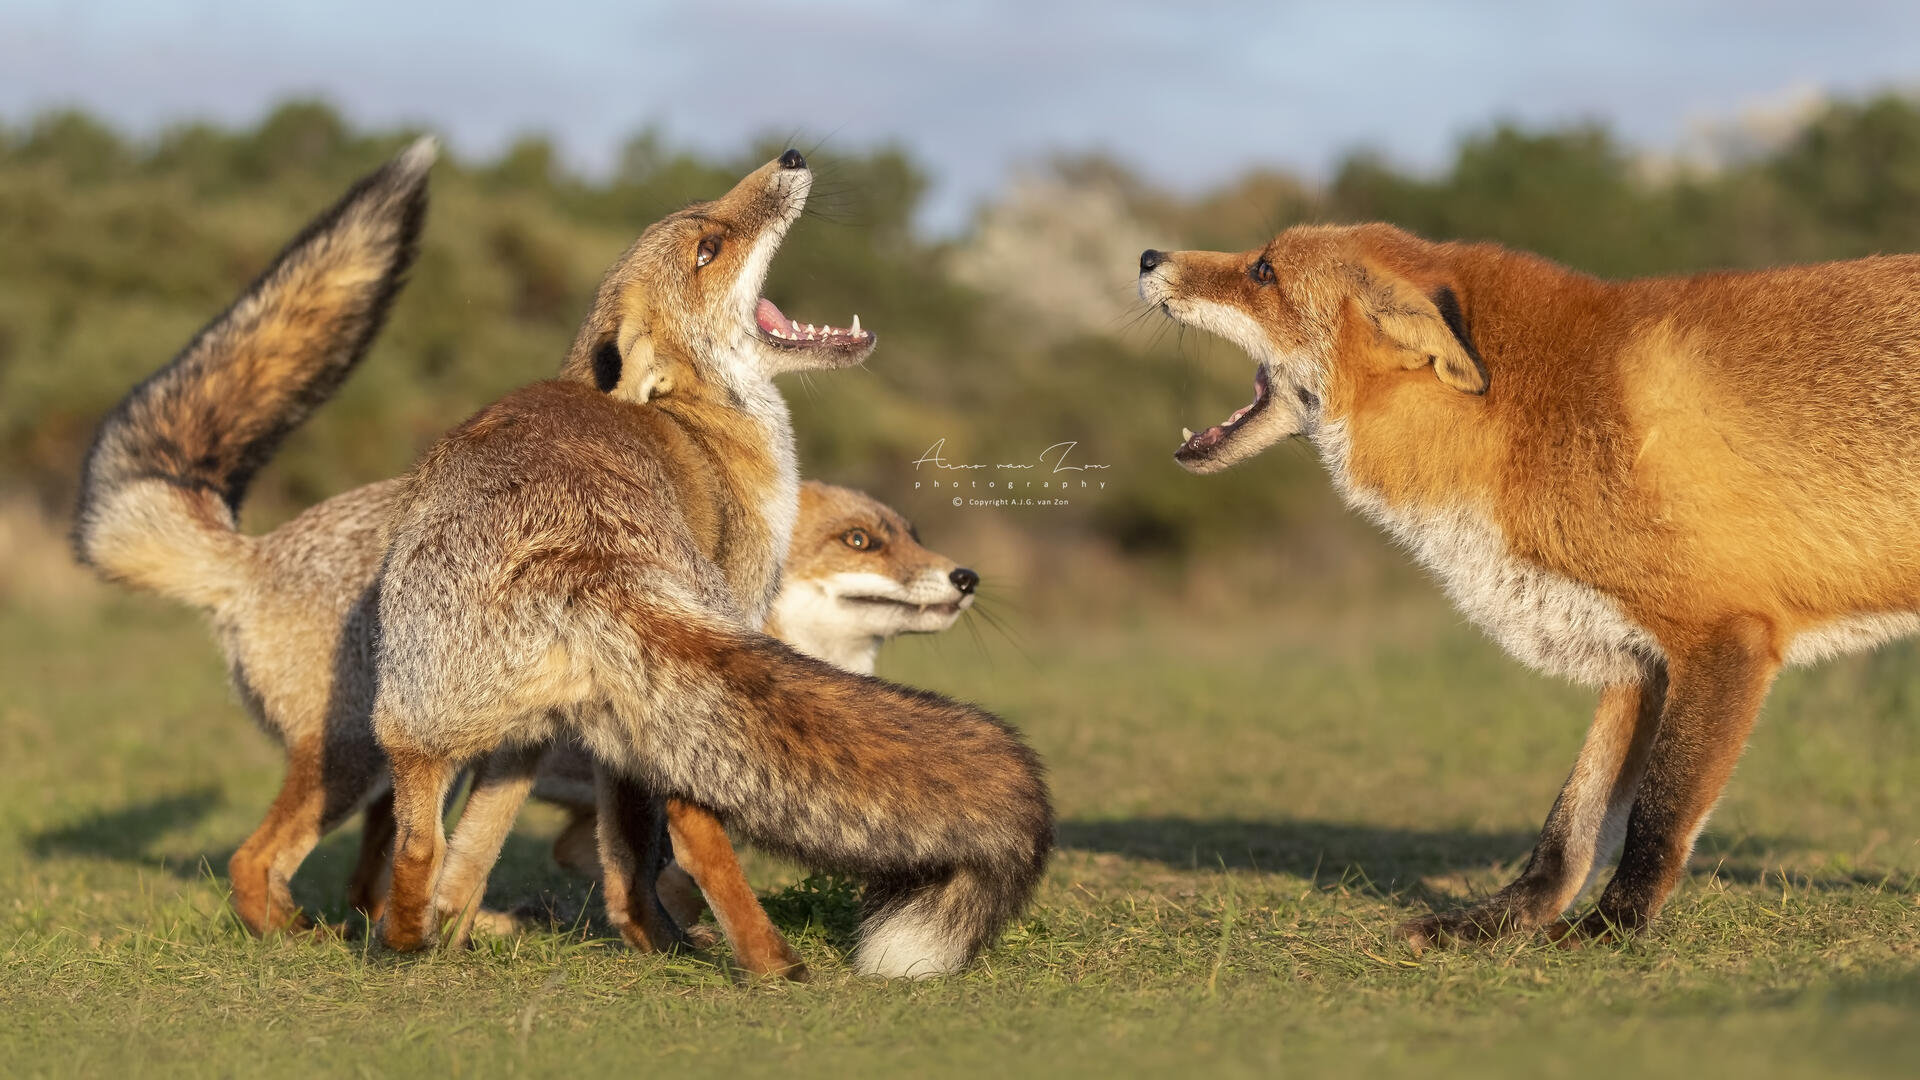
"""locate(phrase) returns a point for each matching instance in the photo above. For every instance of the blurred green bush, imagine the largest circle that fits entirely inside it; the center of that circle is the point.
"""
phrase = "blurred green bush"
(113, 252)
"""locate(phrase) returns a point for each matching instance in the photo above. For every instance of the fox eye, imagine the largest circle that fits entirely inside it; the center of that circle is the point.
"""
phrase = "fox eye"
(709, 247)
(1261, 272)
(860, 540)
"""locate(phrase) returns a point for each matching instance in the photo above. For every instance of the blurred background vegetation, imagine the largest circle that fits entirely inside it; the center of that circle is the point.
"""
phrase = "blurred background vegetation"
(1021, 332)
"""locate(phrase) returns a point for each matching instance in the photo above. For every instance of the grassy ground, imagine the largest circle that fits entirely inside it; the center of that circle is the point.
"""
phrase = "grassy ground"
(1245, 813)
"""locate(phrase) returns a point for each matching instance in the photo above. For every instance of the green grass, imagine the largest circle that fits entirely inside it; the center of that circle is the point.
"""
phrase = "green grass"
(1245, 812)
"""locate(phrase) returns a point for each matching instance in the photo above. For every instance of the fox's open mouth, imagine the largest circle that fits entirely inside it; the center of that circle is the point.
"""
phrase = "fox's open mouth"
(786, 333)
(1197, 446)
(918, 609)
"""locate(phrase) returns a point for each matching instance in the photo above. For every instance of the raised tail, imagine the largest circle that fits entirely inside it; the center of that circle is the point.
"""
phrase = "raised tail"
(162, 484)
(937, 804)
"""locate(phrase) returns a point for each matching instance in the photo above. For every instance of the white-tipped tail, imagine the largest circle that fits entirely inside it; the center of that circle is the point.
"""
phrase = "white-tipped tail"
(911, 942)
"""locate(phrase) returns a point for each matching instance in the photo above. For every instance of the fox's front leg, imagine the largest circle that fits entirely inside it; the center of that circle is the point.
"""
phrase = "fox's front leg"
(1586, 822)
(578, 849)
(420, 783)
(1718, 687)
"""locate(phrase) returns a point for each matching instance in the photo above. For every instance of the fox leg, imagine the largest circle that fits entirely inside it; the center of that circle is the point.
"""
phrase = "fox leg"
(261, 872)
(701, 847)
(367, 889)
(420, 783)
(1716, 693)
(575, 848)
(1582, 829)
(633, 846)
(680, 895)
(500, 785)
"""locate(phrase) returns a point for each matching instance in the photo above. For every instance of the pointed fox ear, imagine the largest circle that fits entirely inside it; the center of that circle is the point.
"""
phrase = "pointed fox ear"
(644, 375)
(1428, 329)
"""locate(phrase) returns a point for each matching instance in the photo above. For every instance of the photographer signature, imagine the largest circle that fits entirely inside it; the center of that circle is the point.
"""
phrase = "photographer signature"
(1059, 452)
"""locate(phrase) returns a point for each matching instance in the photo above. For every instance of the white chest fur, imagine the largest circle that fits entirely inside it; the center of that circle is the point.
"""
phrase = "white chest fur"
(1547, 621)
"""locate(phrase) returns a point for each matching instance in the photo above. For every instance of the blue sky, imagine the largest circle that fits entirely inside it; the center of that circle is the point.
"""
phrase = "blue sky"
(1191, 93)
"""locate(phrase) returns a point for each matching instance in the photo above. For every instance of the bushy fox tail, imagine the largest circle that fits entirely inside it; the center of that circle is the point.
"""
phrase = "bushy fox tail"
(937, 804)
(162, 484)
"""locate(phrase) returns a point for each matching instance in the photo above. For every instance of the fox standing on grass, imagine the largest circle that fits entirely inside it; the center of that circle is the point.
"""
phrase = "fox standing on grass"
(856, 576)
(1667, 488)
(160, 496)
(159, 502)
(591, 558)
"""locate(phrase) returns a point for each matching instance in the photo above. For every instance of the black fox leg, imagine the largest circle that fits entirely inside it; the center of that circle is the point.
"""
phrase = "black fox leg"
(1585, 823)
(633, 848)
(1716, 693)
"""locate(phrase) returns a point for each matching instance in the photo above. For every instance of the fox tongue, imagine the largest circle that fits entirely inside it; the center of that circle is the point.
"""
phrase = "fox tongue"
(769, 317)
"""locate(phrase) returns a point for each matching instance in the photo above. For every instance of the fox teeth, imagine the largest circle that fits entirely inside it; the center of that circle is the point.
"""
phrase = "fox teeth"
(810, 329)
(1186, 434)
(855, 328)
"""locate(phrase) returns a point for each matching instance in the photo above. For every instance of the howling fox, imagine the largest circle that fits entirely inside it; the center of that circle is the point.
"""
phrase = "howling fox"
(161, 491)
(591, 558)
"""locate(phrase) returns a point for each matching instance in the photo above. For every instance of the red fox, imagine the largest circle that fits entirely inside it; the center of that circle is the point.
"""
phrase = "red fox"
(161, 489)
(591, 558)
(165, 479)
(1667, 488)
(856, 576)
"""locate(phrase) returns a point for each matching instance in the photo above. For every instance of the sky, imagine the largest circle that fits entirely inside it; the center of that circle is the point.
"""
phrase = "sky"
(1189, 93)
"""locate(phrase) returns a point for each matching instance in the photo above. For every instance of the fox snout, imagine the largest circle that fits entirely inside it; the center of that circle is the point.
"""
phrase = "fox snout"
(1155, 288)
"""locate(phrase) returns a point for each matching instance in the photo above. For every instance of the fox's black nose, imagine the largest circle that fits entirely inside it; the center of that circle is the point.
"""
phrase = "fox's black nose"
(964, 579)
(1150, 259)
(792, 160)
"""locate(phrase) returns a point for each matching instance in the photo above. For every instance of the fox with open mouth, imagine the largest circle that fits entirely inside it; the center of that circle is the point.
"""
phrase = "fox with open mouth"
(592, 558)
(1667, 488)
(296, 610)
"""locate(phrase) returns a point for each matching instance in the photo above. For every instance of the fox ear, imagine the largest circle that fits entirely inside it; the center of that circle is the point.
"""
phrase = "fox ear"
(1428, 329)
(643, 375)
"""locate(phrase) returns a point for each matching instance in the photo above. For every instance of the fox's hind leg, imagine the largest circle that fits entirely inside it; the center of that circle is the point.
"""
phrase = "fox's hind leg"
(261, 872)
(633, 848)
(420, 783)
(701, 846)
(1587, 820)
(500, 785)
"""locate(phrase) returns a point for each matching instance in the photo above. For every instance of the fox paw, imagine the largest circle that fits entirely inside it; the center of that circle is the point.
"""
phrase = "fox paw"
(495, 923)
(1597, 927)
(1482, 922)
